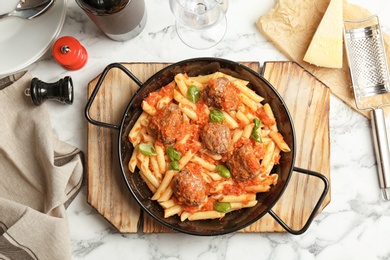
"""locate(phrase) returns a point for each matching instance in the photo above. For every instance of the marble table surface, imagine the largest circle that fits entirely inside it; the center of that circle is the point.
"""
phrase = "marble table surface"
(356, 223)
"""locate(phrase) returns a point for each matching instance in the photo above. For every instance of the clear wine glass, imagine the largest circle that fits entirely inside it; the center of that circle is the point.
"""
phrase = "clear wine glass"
(200, 24)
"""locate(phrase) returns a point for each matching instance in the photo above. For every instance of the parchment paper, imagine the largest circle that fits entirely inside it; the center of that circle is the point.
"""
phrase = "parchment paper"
(290, 26)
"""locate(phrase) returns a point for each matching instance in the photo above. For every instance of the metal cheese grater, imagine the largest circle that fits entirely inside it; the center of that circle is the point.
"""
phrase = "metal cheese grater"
(369, 72)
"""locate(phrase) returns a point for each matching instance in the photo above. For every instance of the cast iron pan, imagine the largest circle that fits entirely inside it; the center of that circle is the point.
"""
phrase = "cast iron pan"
(235, 220)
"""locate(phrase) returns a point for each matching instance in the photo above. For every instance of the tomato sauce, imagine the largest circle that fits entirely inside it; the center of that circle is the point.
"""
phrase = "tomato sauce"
(264, 117)
(153, 97)
(201, 109)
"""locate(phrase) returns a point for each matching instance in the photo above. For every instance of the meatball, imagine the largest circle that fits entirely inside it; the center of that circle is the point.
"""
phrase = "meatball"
(165, 123)
(216, 137)
(243, 164)
(214, 94)
(189, 188)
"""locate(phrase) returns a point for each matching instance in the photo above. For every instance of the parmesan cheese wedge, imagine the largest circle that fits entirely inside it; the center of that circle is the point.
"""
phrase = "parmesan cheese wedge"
(326, 46)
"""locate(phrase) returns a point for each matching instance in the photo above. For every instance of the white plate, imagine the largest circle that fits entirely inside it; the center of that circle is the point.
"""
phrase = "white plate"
(22, 41)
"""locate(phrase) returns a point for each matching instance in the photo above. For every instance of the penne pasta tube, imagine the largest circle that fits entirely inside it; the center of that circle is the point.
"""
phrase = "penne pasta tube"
(142, 161)
(236, 135)
(172, 211)
(268, 168)
(166, 195)
(238, 198)
(148, 138)
(258, 188)
(155, 168)
(188, 112)
(182, 100)
(167, 204)
(230, 120)
(278, 139)
(160, 157)
(164, 185)
(191, 82)
(240, 205)
(164, 101)
(242, 118)
(248, 130)
(202, 162)
(184, 140)
(151, 187)
(179, 79)
(134, 132)
(248, 92)
(268, 155)
(216, 157)
(148, 108)
(205, 78)
(133, 161)
(214, 176)
(187, 157)
(248, 102)
(184, 215)
(152, 179)
(205, 215)
(270, 114)
(218, 188)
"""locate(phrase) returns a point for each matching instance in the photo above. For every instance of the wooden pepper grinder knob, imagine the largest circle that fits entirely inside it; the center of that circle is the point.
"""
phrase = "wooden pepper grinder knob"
(69, 53)
(61, 91)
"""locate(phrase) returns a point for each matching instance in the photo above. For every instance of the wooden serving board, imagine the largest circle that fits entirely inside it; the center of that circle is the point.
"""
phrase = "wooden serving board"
(307, 99)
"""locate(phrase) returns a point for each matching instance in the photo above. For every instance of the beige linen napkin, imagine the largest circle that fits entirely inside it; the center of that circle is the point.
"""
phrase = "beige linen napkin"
(39, 176)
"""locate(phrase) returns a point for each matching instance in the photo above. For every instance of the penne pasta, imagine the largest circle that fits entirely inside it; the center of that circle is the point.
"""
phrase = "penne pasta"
(179, 79)
(169, 212)
(238, 198)
(278, 139)
(270, 114)
(160, 157)
(208, 166)
(230, 120)
(135, 131)
(205, 215)
(249, 102)
(248, 130)
(164, 185)
(148, 108)
(247, 91)
(175, 150)
(240, 205)
(188, 112)
(182, 100)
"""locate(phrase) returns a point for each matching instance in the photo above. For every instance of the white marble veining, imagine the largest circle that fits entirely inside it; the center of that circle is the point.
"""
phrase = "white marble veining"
(356, 223)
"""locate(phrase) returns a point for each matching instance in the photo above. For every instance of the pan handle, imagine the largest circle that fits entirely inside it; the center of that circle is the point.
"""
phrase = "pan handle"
(96, 90)
(315, 210)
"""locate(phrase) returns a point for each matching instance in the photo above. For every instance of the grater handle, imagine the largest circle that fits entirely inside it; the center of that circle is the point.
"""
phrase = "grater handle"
(382, 152)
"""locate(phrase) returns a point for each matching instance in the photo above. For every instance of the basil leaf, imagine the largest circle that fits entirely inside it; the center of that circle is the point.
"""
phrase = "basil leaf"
(255, 134)
(174, 165)
(193, 94)
(216, 116)
(222, 206)
(223, 171)
(173, 154)
(147, 149)
(257, 123)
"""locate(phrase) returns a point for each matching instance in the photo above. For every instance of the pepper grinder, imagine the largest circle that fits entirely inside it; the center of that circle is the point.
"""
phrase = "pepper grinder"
(69, 53)
(120, 20)
(62, 91)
